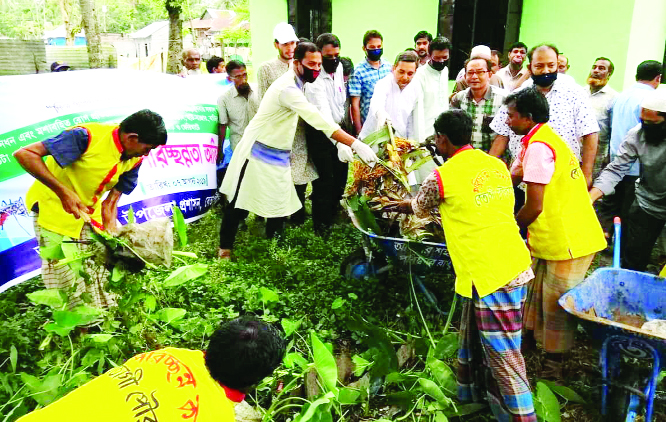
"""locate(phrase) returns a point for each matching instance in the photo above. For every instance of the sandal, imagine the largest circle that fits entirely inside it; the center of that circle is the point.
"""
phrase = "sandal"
(224, 254)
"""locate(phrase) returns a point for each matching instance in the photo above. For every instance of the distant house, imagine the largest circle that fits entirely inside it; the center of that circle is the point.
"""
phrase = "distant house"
(58, 37)
(207, 29)
(151, 40)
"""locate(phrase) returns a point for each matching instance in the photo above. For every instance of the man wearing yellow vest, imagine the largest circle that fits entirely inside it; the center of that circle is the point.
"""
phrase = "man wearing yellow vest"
(474, 195)
(563, 231)
(173, 384)
(82, 164)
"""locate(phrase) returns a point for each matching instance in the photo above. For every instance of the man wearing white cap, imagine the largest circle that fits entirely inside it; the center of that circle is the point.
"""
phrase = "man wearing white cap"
(646, 217)
(478, 52)
(285, 41)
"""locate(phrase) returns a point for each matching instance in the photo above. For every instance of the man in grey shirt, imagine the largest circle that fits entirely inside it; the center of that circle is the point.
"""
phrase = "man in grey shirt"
(647, 215)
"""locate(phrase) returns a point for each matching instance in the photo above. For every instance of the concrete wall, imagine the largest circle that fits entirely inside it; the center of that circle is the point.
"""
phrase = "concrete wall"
(626, 31)
(583, 31)
(396, 20)
(647, 37)
(265, 14)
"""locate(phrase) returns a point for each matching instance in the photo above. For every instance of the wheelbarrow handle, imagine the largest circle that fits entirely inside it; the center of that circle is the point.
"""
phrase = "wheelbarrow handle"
(616, 243)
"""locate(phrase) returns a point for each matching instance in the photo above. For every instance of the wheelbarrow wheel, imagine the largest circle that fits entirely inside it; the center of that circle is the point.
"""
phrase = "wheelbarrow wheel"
(356, 265)
(624, 405)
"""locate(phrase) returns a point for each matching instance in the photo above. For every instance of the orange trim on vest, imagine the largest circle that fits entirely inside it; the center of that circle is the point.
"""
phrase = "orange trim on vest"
(233, 395)
(106, 180)
(116, 140)
(439, 183)
(465, 148)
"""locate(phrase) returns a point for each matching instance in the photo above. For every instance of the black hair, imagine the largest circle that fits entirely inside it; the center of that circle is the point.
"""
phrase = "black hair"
(370, 35)
(233, 65)
(456, 125)
(529, 102)
(648, 70)
(423, 34)
(302, 48)
(407, 56)
(496, 53)
(148, 125)
(439, 43)
(611, 66)
(213, 62)
(326, 39)
(489, 64)
(347, 66)
(303, 39)
(244, 351)
(536, 47)
(518, 44)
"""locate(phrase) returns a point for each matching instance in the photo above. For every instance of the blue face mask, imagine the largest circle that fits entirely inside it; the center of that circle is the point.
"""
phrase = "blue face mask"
(374, 55)
(544, 80)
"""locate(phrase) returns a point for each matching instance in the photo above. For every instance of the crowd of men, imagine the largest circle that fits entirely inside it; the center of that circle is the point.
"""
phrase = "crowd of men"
(528, 154)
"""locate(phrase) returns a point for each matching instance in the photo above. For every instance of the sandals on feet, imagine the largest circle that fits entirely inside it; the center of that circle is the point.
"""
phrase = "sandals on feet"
(224, 254)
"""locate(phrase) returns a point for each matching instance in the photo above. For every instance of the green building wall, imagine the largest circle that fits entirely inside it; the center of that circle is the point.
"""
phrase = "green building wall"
(397, 21)
(626, 31)
(264, 15)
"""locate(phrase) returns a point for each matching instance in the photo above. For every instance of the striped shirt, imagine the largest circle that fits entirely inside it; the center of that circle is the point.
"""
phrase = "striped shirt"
(362, 83)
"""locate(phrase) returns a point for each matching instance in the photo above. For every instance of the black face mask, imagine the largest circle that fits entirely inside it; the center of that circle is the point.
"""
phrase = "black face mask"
(309, 75)
(330, 65)
(374, 55)
(654, 133)
(544, 80)
(439, 66)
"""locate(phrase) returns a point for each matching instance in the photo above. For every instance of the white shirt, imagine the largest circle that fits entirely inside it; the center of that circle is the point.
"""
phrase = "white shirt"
(602, 103)
(433, 99)
(267, 188)
(237, 111)
(329, 94)
(509, 81)
(397, 104)
(571, 117)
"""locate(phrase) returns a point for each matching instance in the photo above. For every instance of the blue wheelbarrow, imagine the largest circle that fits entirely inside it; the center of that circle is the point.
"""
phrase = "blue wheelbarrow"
(418, 257)
(612, 304)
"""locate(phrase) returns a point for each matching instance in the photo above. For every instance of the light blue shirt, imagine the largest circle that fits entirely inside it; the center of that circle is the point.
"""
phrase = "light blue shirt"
(625, 116)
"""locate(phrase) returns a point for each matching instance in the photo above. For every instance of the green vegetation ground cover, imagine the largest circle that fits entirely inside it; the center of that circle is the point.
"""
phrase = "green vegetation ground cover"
(397, 353)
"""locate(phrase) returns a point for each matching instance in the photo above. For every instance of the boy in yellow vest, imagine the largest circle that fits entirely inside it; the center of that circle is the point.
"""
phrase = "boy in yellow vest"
(84, 163)
(563, 230)
(474, 195)
(173, 384)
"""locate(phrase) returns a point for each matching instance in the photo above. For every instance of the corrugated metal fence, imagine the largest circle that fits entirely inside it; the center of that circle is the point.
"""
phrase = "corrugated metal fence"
(20, 57)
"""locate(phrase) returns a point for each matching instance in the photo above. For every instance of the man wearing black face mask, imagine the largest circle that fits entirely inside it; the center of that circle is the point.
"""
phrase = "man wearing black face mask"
(571, 115)
(647, 215)
(432, 81)
(259, 178)
(366, 75)
(330, 158)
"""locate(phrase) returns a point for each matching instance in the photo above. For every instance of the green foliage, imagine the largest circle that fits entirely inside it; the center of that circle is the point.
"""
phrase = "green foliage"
(179, 226)
(545, 404)
(325, 364)
(185, 273)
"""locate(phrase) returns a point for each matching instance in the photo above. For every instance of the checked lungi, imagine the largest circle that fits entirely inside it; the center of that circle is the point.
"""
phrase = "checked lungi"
(490, 364)
(63, 278)
(554, 329)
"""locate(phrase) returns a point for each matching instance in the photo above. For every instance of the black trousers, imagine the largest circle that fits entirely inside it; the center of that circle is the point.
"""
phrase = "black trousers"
(233, 216)
(617, 204)
(328, 189)
(639, 235)
(299, 216)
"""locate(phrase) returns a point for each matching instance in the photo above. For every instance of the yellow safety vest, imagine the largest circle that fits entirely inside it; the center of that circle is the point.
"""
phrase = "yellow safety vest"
(568, 227)
(477, 215)
(91, 176)
(167, 385)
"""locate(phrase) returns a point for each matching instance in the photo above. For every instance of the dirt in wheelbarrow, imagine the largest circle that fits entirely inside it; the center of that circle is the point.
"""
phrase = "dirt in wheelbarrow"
(633, 320)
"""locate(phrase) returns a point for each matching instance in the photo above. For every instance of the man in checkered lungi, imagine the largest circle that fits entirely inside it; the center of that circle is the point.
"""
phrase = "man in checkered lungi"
(83, 164)
(474, 194)
(563, 230)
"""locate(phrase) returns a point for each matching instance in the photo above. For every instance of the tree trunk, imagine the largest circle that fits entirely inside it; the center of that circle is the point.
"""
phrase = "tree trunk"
(91, 26)
(174, 8)
(70, 30)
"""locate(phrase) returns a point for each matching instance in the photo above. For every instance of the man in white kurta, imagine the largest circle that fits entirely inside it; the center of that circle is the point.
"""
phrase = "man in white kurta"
(394, 99)
(259, 178)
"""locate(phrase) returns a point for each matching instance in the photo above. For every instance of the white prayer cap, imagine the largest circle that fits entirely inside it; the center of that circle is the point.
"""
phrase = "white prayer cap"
(480, 52)
(655, 100)
(284, 33)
